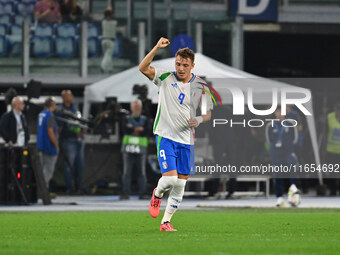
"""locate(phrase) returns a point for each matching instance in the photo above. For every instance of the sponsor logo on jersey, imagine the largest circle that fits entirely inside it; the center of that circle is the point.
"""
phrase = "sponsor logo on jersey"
(174, 85)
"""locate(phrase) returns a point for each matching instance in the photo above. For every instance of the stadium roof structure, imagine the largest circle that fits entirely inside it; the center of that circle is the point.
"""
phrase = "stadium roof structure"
(219, 75)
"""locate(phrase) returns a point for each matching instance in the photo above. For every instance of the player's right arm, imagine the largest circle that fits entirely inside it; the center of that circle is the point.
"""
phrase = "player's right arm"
(144, 66)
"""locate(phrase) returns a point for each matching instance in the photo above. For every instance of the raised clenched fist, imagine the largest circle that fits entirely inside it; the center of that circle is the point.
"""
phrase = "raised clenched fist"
(162, 43)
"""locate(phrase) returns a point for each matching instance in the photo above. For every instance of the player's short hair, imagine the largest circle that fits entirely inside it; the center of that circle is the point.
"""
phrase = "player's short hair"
(108, 14)
(137, 101)
(66, 91)
(49, 102)
(186, 53)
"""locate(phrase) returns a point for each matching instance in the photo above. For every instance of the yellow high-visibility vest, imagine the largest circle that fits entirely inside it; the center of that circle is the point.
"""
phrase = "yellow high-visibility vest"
(333, 141)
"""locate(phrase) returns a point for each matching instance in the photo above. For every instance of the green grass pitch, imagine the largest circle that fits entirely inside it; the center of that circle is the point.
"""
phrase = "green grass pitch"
(227, 231)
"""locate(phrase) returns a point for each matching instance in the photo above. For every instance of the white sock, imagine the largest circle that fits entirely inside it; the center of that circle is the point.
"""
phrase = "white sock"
(174, 200)
(164, 184)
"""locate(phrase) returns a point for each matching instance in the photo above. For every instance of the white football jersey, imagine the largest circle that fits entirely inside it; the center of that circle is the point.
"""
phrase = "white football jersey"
(177, 103)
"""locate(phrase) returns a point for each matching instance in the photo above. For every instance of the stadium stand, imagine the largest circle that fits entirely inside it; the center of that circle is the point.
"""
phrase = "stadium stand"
(54, 41)
(66, 30)
(14, 43)
(3, 29)
(28, 1)
(47, 40)
(18, 19)
(25, 9)
(51, 38)
(93, 47)
(6, 18)
(93, 30)
(7, 7)
(16, 30)
(65, 47)
(42, 46)
(3, 44)
(44, 30)
(118, 47)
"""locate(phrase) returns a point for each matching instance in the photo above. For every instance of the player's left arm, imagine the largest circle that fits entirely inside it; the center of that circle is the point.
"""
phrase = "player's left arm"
(196, 121)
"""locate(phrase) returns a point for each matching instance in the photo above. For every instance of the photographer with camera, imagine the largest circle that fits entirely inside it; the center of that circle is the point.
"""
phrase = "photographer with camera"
(71, 139)
(47, 11)
(134, 149)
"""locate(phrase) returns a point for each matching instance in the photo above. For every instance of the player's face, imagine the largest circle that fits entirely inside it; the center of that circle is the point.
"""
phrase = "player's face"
(183, 68)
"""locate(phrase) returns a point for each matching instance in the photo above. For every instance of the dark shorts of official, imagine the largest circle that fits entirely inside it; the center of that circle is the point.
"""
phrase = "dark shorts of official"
(175, 156)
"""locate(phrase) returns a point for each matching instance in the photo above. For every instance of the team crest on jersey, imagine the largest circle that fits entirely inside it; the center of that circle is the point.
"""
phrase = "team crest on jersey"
(165, 165)
(174, 85)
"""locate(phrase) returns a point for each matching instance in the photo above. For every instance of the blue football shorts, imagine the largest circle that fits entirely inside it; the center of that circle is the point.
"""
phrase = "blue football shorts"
(175, 156)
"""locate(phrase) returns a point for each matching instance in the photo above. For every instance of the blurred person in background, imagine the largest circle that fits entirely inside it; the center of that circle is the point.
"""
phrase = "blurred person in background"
(134, 149)
(47, 140)
(109, 29)
(47, 11)
(282, 141)
(299, 149)
(71, 144)
(293, 114)
(224, 152)
(333, 145)
(13, 124)
(70, 11)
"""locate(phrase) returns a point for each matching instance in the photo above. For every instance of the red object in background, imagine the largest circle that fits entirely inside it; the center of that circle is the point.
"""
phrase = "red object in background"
(19, 175)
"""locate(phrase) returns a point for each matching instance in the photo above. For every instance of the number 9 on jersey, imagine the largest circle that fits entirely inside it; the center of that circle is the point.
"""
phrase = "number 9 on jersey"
(181, 98)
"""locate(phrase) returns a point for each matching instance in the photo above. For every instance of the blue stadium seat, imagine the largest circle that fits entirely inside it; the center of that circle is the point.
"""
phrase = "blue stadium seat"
(3, 45)
(7, 7)
(25, 9)
(16, 30)
(66, 30)
(3, 29)
(29, 1)
(42, 46)
(92, 30)
(6, 19)
(14, 45)
(117, 51)
(92, 47)
(19, 19)
(65, 47)
(44, 30)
